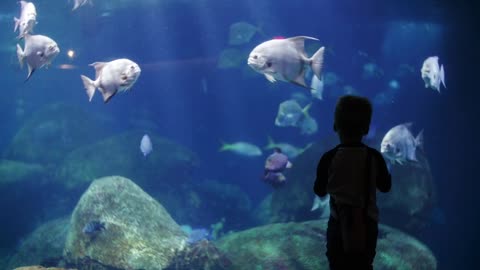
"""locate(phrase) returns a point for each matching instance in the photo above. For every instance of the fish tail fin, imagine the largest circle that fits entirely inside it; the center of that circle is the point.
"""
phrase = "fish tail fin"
(17, 23)
(225, 146)
(306, 109)
(270, 144)
(442, 77)
(317, 62)
(20, 55)
(89, 87)
(419, 140)
(307, 146)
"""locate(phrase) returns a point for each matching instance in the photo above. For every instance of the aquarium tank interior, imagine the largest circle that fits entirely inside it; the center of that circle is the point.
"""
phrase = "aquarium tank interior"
(185, 134)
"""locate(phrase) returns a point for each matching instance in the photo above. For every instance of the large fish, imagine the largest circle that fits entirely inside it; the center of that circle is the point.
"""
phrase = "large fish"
(399, 145)
(112, 77)
(27, 20)
(433, 74)
(242, 148)
(286, 60)
(290, 113)
(39, 51)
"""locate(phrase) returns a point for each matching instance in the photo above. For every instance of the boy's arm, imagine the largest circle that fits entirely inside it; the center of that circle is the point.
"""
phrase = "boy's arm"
(320, 186)
(384, 179)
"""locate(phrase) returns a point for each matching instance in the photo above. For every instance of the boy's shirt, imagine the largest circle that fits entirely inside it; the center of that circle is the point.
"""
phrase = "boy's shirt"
(341, 172)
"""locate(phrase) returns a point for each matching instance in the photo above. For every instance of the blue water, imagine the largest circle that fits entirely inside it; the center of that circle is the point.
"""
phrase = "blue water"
(198, 105)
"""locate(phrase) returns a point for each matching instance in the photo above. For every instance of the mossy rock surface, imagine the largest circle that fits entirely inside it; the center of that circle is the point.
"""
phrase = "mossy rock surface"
(139, 233)
(52, 132)
(302, 246)
(43, 244)
(169, 163)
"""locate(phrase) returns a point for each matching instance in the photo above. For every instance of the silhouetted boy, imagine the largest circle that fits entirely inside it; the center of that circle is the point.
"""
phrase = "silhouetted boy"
(350, 173)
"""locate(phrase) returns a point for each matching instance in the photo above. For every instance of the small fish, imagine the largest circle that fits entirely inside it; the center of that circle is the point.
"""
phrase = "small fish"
(286, 60)
(308, 125)
(288, 149)
(331, 79)
(323, 204)
(28, 19)
(146, 145)
(80, 3)
(230, 58)
(394, 85)
(39, 51)
(112, 77)
(242, 148)
(399, 145)
(94, 227)
(290, 113)
(241, 33)
(277, 161)
(317, 88)
(433, 74)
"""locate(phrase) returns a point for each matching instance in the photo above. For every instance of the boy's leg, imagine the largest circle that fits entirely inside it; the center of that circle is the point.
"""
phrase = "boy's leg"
(372, 235)
(335, 254)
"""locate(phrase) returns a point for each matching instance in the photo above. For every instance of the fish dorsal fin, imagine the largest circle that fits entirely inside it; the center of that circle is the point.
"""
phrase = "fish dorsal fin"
(98, 68)
(22, 4)
(299, 43)
(408, 125)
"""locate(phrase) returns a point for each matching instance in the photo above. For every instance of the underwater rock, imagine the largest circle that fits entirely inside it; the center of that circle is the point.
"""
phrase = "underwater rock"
(13, 172)
(40, 268)
(171, 163)
(302, 246)
(139, 233)
(44, 244)
(201, 255)
(51, 133)
(208, 202)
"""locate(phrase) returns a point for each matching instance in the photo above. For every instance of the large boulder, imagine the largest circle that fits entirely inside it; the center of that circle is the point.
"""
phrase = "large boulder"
(169, 163)
(43, 245)
(51, 133)
(302, 246)
(138, 232)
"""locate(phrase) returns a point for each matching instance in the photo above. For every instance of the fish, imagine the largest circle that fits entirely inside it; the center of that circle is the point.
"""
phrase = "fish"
(433, 74)
(394, 85)
(290, 113)
(286, 60)
(317, 87)
(331, 79)
(277, 161)
(230, 58)
(322, 204)
(399, 145)
(27, 20)
(80, 3)
(146, 145)
(241, 33)
(308, 125)
(288, 149)
(242, 148)
(276, 179)
(39, 51)
(93, 227)
(111, 77)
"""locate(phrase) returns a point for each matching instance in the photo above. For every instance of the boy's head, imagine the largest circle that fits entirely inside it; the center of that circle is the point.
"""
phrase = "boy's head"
(352, 116)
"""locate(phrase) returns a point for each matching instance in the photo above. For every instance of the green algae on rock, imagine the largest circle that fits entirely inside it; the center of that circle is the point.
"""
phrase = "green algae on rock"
(120, 155)
(302, 246)
(43, 244)
(139, 233)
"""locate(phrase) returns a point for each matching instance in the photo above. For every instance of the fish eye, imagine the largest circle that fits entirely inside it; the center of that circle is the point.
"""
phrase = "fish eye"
(269, 64)
(255, 57)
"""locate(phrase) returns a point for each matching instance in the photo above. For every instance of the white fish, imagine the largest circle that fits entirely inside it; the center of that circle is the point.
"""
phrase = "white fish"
(242, 148)
(290, 150)
(290, 113)
(39, 51)
(286, 60)
(28, 19)
(111, 77)
(433, 74)
(146, 145)
(399, 145)
(323, 204)
(317, 88)
(79, 3)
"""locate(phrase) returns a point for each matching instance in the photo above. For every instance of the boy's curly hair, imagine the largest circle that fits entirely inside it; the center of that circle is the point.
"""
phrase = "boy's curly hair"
(353, 115)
